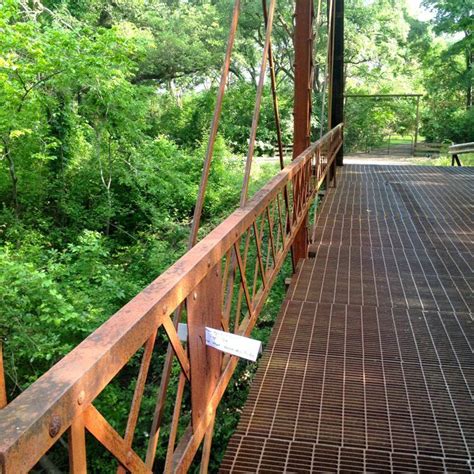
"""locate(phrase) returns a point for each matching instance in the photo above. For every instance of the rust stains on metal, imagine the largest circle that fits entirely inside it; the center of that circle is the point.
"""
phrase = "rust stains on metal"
(54, 426)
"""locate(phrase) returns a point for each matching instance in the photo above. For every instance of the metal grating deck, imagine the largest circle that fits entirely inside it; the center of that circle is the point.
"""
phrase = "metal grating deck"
(370, 366)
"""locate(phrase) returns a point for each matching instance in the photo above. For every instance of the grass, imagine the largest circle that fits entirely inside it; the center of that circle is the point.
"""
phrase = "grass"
(467, 159)
(398, 140)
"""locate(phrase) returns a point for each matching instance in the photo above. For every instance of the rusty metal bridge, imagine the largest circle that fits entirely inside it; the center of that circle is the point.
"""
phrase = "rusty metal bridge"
(370, 365)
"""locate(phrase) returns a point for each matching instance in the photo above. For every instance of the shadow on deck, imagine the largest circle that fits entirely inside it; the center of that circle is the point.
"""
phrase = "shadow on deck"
(370, 366)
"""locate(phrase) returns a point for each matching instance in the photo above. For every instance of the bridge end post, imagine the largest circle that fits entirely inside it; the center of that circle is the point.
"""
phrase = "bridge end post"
(304, 13)
(337, 98)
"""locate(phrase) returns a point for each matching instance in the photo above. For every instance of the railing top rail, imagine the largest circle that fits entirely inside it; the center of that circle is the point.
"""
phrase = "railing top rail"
(77, 379)
(462, 148)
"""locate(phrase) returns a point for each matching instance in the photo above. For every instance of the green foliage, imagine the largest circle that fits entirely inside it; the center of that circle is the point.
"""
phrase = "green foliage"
(451, 124)
(187, 121)
(371, 121)
(449, 73)
(43, 316)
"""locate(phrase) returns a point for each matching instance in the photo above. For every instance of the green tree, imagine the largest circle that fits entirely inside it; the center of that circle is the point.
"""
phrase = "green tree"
(456, 17)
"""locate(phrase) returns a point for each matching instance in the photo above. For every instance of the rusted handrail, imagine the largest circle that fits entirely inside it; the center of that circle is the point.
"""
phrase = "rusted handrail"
(62, 398)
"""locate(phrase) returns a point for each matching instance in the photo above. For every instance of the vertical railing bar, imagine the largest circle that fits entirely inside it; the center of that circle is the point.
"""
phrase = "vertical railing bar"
(226, 275)
(292, 207)
(270, 226)
(243, 280)
(318, 164)
(300, 188)
(257, 260)
(280, 220)
(334, 164)
(159, 408)
(3, 385)
(258, 242)
(206, 449)
(230, 284)
(138, 394)
(304, 186)
(297, 196)
(304, 183)
(255, 277)
(229, 292)
(287, 204)
(270, 256)
(175, 422)
(247, 247)
(273, 226)
(240, 293)
(237, 309)
(308, 179)
(279, 228)
(77, 446)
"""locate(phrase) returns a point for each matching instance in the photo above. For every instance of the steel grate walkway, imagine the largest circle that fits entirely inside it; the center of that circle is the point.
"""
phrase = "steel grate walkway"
(370, 366)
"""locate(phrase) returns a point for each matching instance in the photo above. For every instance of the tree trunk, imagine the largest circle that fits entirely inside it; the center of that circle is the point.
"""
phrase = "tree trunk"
(469, 65)
(106, 180)
(13, 176)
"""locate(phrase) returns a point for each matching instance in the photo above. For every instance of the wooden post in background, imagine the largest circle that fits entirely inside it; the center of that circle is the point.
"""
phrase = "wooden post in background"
(417, 125)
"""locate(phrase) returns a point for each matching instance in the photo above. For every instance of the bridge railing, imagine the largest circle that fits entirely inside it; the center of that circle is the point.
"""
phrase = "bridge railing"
(223, 282)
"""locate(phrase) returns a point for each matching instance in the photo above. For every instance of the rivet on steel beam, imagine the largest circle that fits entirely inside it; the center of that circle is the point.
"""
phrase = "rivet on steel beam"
(195, 296)
(81, 397)
(54, 426)
(165, 309)
(209, 263)
(129, 457)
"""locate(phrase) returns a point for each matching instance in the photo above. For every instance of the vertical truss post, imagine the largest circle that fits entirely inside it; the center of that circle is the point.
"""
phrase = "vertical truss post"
(337, 79)
(417, 125)
(302, 107)
(3, 387)
(204, 309)
(330, 60)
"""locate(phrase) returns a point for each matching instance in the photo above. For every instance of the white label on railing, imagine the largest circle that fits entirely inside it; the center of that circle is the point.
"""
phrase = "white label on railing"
(231, 343)
(183, 332)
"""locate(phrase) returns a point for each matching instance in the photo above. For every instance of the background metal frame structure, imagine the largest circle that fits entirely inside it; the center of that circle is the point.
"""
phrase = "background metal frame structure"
(395, 96)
